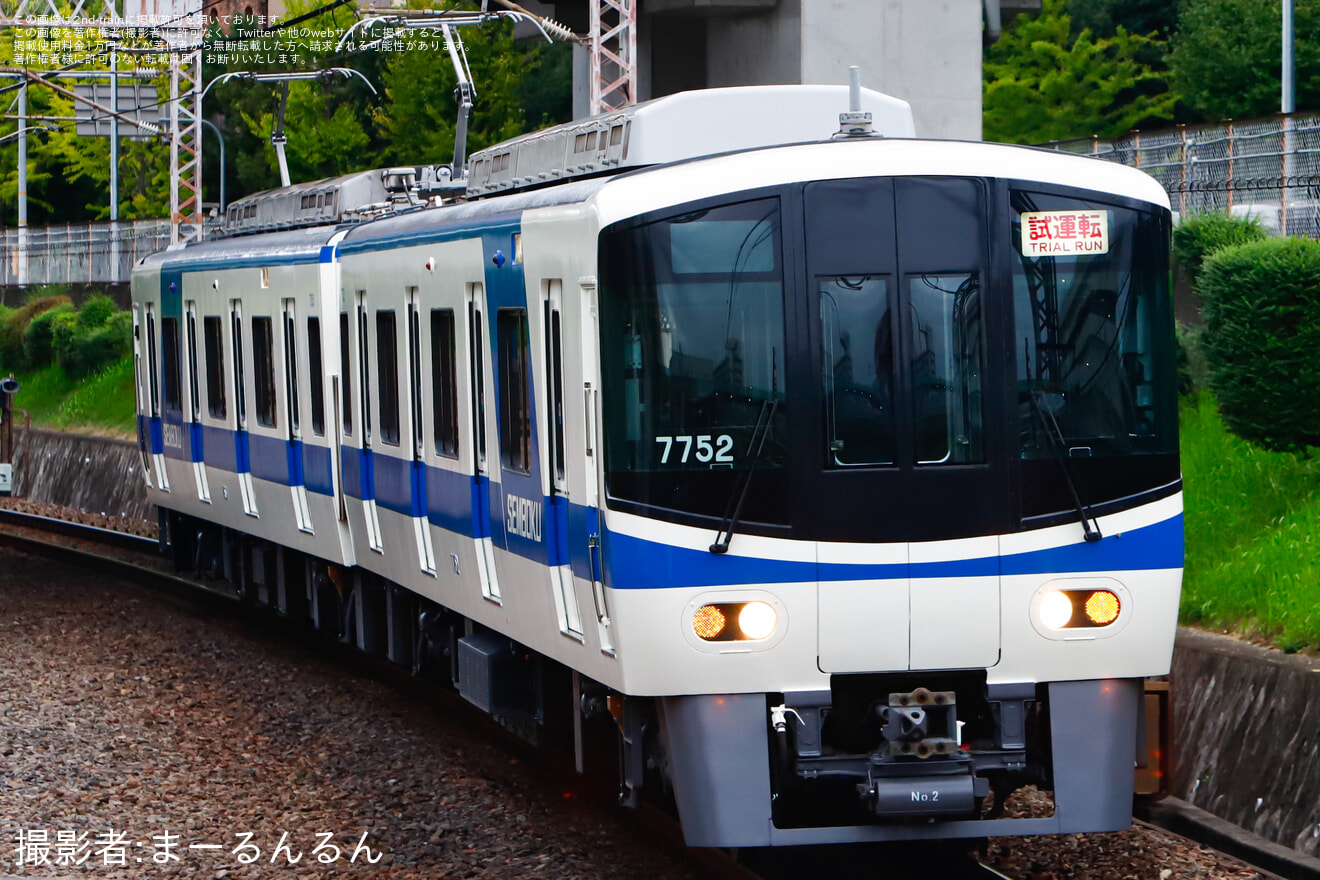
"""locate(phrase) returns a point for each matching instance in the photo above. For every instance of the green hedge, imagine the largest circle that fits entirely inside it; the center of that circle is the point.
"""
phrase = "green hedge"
(82, 348)
(46, 330)
(39, 338)
(13, 329)
(1261, 303)
(1200, 235)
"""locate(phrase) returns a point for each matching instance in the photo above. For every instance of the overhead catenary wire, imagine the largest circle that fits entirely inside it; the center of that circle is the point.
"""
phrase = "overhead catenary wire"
(35, 78)
(44, 75)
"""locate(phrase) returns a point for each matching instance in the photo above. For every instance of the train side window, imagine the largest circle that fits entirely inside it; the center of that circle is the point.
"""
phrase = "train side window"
(444, 381)
(946, 363)
(240, 392)
(346, 371)
(213, 339)
(415, 372)
(263, 362)
(195, 396)
(478, 373)
(364, 366)
(169, 328)
(137, 358)
(316, 375)
(515, 404)
(152, 363)
(555, 371)
(387, 365)
(291, 369)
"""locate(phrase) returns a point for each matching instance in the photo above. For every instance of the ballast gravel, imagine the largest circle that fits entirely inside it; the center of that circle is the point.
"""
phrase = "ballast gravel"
(1143, 852)
(82, 517)
(150, 737)
(124, 712)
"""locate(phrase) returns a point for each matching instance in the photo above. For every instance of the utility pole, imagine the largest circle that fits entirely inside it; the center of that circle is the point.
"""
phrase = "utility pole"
(22, 186)
(1286, 106)
(114, 160)
(1287, 102)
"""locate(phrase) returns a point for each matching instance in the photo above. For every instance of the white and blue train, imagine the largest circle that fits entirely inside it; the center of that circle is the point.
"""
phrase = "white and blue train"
(834, 479)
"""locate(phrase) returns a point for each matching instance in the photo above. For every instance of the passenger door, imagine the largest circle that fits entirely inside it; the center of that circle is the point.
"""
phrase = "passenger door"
(556, 459)
(903, 482)
(478, 373)
(194, 415)
(242, 447)
(585, 519)
(293, 396)
(417, 466)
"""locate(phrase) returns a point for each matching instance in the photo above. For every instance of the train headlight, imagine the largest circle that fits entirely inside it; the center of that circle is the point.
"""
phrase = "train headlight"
(1078, 609)
(1102, 608)
(708, 622)
(1056, 609)
(757, 620)
(735, 622)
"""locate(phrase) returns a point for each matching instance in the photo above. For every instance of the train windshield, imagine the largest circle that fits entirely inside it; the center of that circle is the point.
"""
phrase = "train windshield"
(692, 336)
(923, 367)
(1093, 345)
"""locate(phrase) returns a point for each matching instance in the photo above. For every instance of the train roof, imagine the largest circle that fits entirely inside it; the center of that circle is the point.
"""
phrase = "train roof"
(292, 246)
(422, 224)
(686, 125)
(305, 245)
(660, 187)
(635, 192)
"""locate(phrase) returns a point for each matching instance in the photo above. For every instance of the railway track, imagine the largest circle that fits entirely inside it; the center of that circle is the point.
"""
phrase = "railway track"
(138, 560)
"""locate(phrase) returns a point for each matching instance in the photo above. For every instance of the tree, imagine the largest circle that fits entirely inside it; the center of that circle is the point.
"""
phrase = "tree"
(69, 175)
(1043, 85)
(418, 115)
(339, 127)
(1225, 57)
(326, 137)
(327, 123)
(1103, 17)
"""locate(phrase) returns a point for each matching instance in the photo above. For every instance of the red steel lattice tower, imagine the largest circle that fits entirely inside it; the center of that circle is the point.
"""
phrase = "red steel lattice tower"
(613, 54)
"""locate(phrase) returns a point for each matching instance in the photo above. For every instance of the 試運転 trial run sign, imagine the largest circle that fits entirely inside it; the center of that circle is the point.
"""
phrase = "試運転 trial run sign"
(1065, 233)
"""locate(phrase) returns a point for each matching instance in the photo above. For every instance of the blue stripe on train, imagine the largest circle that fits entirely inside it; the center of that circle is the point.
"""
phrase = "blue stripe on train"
(269, 459)
(635, 563)
(460, 503)
(318, 472)
(289, 462)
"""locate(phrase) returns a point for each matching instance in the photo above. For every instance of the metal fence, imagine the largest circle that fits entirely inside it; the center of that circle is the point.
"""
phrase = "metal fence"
(78, 253)
(1265, 168)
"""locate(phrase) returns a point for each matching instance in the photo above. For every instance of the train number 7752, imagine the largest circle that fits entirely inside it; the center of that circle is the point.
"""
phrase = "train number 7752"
(721, 452)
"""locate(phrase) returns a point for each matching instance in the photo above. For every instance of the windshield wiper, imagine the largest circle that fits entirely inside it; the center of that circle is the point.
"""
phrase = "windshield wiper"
(754, 448)
(1090, 528)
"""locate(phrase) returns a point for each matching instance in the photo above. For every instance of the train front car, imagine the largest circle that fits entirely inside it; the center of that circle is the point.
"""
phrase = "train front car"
(892, 520)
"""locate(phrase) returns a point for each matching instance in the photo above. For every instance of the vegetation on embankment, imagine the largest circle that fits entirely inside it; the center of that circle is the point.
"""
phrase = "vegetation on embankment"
(1250, 425)
(75, 365)
(1253, 533)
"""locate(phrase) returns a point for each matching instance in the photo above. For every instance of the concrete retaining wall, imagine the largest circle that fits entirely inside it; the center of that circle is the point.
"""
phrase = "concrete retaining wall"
(92, 474)
(1247, 735)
